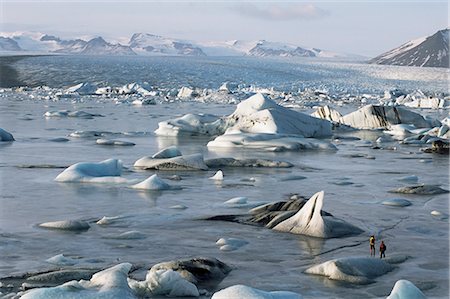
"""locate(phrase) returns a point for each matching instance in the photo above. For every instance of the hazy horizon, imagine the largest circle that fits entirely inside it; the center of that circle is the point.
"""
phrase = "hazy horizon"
(359, 27)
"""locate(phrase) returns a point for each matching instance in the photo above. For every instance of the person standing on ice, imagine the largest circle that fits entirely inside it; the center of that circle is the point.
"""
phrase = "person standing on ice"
(372, 245)
(382, 249)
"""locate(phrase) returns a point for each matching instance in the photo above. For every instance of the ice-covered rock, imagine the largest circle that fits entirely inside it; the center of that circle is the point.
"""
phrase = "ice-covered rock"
(404, 289)
(358, 270)
(104, 171)
(232, 162)
(309, 221)
(192, 162)
(168, 152)
(163, 282)
(70, 225)
(5, 136)
(114, 142)
(383, 117)
(328, 113)
(246, 292)
(191, 125)
(218, 176)
(199, 271)
(83, 88)
(420, 189)
(269, 142)
(258, 114)
(152, 183)
(109, 283)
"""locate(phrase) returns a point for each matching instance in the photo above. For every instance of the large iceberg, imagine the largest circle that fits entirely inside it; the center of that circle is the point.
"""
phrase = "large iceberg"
(258, 114)
(101, 172)
(404, 289)
(5, 136)
(246, 292)
(310, 221)
(358, 270)
(383, 117)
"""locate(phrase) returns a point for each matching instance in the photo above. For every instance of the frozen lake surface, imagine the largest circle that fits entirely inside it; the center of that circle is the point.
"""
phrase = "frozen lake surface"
(356, 178)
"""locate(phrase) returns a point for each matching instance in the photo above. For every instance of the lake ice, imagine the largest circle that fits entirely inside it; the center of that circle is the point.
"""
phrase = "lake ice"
(114, 224)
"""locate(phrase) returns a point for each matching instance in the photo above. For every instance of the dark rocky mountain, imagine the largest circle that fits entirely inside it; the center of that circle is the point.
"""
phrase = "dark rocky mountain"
(430, 51)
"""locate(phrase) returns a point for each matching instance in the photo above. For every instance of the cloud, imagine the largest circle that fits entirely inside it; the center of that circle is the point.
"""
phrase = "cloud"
(285, 12)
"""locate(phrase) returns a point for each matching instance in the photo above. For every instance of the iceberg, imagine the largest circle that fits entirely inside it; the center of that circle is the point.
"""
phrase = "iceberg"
(5, 136)
(232, 162)
(258, 114)
(230, 244)
(246, 292)
(83, 89)
(383, 117)
(168, 152)
(191, 125)
(328, 113)
(404, 289)
(192, 162)
(218, 176)
(309, 221)
(109, 283)
(114, 142)
(358, 270)
(101, 172)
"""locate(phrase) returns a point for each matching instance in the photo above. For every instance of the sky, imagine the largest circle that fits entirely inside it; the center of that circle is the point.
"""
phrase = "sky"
(365, 27)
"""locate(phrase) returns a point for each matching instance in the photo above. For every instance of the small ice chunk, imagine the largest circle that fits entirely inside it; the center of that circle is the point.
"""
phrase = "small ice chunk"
(236, 201)
(218, 176)
(108, 220)
(179, 207)
(397, 202)
(107, 170)
(114, 142)
(71, 225)
(230, 244)
(61, 260)
(5, 136)
(152, 183)
(409, 179)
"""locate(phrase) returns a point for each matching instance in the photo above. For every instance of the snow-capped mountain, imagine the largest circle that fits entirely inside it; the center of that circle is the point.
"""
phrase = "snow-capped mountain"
(430, 51)
(149, 44)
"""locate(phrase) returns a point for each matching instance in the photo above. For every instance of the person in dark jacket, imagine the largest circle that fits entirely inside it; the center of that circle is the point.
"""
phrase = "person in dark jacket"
(382, 249)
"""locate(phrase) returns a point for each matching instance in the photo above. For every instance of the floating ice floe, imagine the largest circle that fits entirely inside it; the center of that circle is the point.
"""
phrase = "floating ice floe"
(153, 183)
(69, 225)
(246, 292)
(383, 117)
(409, 179)
(68, 113)
(404, 289)
(107, 171)
(269, 142)
(105, 220)
(358, 270)
(309, 221)
(186, 93)
(144, 102)
(232, 162)
(168, 152)
(396, 202)
(192, 162)
(114, 142)
(218, 176)
(5, 136)
(418, 99)
(420, 189)
(191, 125)
(230, 244)
(236, 201)
(109, 283)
